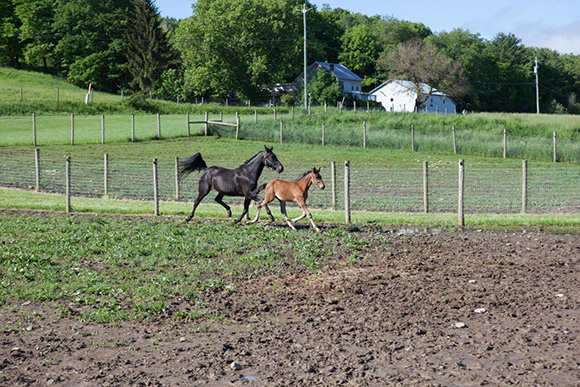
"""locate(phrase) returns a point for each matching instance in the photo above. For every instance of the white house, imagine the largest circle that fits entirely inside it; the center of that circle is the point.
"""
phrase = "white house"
(350, 83)
(400, 96)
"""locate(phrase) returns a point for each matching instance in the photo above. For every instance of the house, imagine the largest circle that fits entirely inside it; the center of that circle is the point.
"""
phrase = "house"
(400, 96)
(350, 83)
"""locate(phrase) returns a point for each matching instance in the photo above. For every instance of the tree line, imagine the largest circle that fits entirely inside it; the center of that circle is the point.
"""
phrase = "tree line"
(241, 49)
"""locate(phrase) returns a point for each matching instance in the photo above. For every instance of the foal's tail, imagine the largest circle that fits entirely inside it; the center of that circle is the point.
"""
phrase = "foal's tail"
(191, 164)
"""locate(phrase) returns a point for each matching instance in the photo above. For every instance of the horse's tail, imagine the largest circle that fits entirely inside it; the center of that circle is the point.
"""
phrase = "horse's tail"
(191, 164)
(258, 189)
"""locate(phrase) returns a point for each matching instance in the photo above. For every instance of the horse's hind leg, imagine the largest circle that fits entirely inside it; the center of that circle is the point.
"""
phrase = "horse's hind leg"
(219, 199)
(259, 200)
(204, 189)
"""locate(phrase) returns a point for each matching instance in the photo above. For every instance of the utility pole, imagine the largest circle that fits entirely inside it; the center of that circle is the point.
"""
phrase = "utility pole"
(304, 10)
(537, 87)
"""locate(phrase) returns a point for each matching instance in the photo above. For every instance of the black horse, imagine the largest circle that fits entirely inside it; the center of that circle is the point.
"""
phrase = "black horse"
(240, 181)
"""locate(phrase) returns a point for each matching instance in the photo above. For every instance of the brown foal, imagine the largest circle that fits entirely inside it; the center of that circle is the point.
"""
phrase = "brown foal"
(292, 191)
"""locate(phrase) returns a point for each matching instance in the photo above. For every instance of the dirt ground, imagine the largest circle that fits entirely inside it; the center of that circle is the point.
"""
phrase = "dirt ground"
(457, 308)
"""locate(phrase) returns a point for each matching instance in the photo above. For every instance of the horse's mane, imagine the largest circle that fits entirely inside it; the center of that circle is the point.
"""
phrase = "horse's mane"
(253, 157)
(304, 174)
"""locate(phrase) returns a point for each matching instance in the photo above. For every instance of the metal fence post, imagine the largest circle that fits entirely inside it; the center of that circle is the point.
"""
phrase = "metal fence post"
(426, 187)
(67, 189)
(333, 180)
(347, 191)
(460, 200)
(158, 125)
(102, 129)
(524, 186)
(155, 188)
(554, 147)
(504, 143)
(364, 134)
(454, 141)
(37, 164)
(33, 129)
(281, 131)
(72, 129)
(106, 176)
(177, 178)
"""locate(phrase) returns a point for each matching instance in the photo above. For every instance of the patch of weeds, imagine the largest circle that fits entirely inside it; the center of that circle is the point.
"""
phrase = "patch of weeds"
(354, 258)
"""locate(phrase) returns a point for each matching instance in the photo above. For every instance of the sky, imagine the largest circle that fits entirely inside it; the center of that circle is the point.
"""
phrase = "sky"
(553, 24)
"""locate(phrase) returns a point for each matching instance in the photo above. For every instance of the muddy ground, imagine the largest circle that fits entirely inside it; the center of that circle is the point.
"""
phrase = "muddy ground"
(458, 308)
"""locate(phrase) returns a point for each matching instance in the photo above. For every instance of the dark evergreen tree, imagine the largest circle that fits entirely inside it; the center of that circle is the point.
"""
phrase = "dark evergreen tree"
(149, 52)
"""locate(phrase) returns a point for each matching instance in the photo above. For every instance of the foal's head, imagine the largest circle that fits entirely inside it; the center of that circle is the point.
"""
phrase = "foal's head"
(316, 178)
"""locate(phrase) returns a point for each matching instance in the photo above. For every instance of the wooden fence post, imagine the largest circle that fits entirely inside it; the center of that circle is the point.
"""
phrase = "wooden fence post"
(255, 116)
(132, 127)
(281, 131)
(524, 186)
(33, 129)
(206, 119)
(323, 134)
(158, 125)
(554, 147)
(325, 107)
(504, 143)
(37, 164)
(413, 138)
(72, 129)
(354, 105)
(333, 183)
(106, 176)
(177, 178)
(454, 141)
(237, 125)
(102, 129)
(188, 125)
(426, 187)
(67, 189)
(347, 191)
(155, 188)
(364, 134)
(460, 199)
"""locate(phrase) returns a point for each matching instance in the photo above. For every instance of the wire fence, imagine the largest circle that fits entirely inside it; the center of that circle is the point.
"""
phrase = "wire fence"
(433, 188)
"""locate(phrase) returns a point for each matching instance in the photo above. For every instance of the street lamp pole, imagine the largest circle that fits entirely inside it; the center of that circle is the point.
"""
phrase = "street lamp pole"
(304, 10)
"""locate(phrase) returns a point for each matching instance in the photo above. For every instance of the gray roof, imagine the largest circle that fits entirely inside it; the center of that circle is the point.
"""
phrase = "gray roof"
(341, 72)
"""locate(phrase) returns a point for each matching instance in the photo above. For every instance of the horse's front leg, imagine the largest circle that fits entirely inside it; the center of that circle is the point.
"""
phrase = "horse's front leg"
(245, 212)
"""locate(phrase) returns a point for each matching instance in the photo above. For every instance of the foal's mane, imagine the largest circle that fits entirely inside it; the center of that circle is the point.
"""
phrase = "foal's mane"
(304, 174)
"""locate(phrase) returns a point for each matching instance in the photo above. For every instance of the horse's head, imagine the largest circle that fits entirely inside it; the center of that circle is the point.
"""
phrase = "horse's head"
(271, 161)
(316, 178)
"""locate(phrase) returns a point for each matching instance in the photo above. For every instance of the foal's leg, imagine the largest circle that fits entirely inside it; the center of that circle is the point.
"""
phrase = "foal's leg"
(219, 199)
(283, 211)
(305, 212)
(258, 199)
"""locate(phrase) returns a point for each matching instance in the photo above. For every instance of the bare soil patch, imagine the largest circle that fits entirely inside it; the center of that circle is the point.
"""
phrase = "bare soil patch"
(451, 308)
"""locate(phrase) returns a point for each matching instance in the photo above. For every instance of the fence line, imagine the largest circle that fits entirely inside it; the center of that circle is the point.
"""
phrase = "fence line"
(346, 136)
(430, 188)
